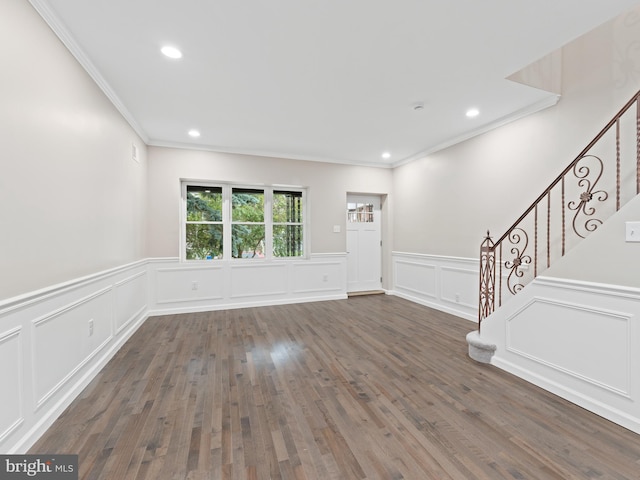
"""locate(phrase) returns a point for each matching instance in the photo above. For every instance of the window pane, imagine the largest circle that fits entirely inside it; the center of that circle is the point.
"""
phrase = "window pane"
(204, 204)
(287, 241)
(360, 212)
(247, 205)
(204, 242)
(287, 207)
(247, 241)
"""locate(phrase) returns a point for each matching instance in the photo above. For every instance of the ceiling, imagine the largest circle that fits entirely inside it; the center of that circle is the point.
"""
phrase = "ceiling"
(327, 80)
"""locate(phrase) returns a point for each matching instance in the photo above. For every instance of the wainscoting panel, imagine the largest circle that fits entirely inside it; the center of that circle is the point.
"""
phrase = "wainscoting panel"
(244, 283)
(416, 277)
(68, 335)
(11, 392)
(460, 286)
(319, 276)
(264, 279)
(449, 284)
(54, 341)
(190, 283)
(130, 299)
(578, 340)
(553, 333)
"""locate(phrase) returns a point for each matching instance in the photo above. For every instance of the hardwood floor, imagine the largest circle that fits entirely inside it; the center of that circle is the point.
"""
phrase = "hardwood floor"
(372, 387)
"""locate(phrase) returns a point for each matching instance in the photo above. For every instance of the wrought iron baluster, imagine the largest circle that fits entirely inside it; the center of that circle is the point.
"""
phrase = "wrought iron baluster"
(618, 165)
(487, 279)
(587, 172)
(535, 244)
(582, 172)
(520, 241)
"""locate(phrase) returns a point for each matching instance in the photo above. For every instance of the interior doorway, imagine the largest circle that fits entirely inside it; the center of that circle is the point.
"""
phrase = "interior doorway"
(364, 243)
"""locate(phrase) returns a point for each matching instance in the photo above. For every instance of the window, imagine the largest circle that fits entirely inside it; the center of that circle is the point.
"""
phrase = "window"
(360, 212)
(247, 223)
(204, 226)
(227, 221)
(287, 224)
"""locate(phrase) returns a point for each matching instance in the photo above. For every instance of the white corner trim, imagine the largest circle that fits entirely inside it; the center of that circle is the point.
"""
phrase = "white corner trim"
(48, 15)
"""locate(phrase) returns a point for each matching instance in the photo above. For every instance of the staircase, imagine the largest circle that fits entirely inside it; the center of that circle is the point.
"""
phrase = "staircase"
(577, 339)
(587, 192)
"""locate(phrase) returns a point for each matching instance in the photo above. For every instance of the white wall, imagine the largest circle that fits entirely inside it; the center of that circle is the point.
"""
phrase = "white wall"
(605, 257)
(327, 183)
(445, 202)
(72, 201)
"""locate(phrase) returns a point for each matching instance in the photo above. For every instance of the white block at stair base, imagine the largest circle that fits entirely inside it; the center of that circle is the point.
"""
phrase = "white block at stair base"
(480, 350)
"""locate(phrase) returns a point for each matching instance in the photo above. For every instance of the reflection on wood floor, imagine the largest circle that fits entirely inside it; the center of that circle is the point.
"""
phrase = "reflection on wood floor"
(373, 387)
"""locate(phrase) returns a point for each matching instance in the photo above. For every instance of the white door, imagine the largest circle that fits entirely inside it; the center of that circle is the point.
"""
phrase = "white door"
(364, 250)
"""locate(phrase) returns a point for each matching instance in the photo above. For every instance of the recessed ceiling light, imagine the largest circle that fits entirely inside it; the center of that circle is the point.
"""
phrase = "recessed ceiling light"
(386, 155)
(473, 112)
(171, 52)
(194, 133)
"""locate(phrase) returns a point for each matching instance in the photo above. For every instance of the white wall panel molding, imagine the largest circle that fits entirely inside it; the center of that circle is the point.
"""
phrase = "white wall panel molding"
(457, 281)
(244, 283)
(186, 284)
(55, 291)
(56, 340)
(568, 337)
(130, 300)
(258, 280)
(445, 283)
(72, 336)
(589, 287)
(576, 339)
(415, 277)
(318, 276)
(11, 416)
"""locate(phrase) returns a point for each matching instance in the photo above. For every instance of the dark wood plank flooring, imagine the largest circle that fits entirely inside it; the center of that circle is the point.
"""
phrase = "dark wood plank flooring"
(366, 388)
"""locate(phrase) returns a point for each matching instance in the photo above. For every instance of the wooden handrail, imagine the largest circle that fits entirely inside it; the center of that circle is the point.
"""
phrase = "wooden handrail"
(517, 234)
(622, 111)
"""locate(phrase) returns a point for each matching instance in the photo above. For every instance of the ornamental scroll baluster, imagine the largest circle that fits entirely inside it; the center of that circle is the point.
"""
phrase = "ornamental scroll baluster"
(585, 211)
(581, 178)
(519, 240)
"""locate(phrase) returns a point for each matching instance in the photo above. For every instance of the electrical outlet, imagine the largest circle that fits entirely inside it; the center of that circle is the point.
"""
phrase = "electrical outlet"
(457, 298)
(91, 327)
(325, 278)
(194, 285)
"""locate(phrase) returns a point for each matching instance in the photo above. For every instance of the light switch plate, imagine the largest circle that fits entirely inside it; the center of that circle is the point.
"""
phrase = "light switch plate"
(336, 229)
(633, 232)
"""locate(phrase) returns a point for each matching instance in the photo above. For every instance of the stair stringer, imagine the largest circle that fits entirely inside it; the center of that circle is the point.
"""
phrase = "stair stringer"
(578, 339)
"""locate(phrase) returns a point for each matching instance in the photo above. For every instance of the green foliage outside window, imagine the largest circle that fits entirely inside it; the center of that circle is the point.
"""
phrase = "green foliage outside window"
(204, 239)
(205, 225)
(287, 224)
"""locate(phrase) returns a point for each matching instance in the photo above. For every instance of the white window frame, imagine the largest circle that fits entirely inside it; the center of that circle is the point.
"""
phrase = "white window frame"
(227, 220)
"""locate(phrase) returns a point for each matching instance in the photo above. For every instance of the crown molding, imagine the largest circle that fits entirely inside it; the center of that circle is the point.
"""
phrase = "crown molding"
(49, 16)
(535, 107)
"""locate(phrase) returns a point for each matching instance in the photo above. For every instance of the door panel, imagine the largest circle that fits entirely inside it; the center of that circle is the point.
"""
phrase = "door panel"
(364, 252)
